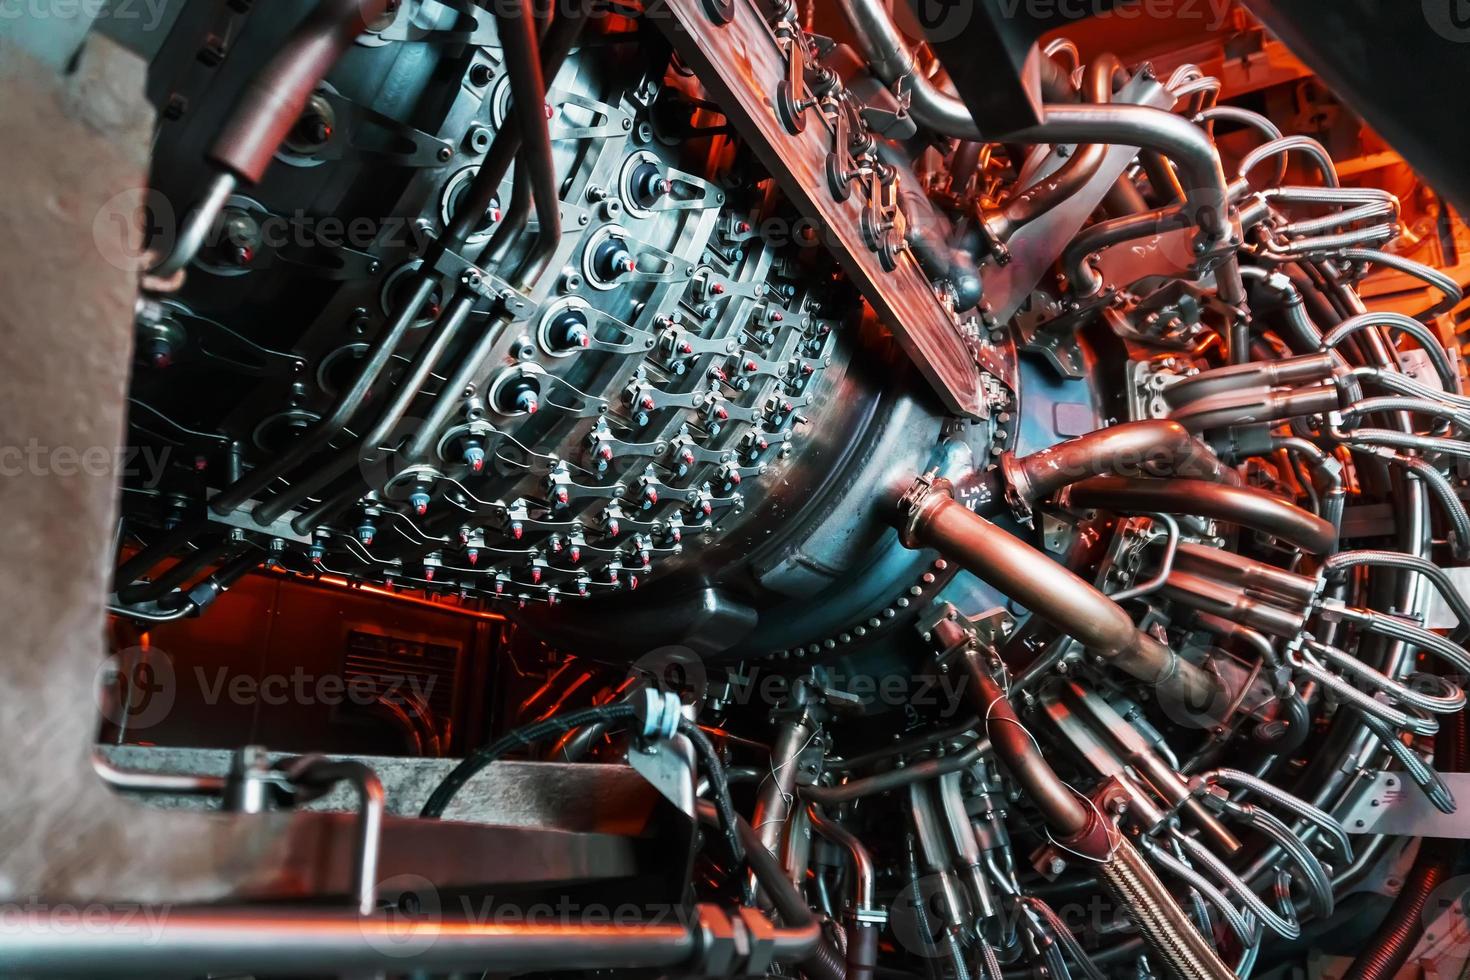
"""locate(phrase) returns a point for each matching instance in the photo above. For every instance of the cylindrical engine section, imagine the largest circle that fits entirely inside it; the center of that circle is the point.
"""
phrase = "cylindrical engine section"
(679, 379)
(813, 562)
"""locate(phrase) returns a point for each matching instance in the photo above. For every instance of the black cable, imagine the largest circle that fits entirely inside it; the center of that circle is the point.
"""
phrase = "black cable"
(719, 785)
(479, 759)
(604, 714)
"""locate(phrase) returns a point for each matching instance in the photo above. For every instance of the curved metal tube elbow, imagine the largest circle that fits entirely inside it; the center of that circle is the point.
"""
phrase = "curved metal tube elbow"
(934, 519)
(888, 53)
(1160, 447)
(1041, 196)
(1207, 194)
(1061, 807)
(1242, 506)
(1094, 238)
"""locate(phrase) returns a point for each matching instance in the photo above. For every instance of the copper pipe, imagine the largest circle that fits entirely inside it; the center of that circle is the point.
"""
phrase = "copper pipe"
(1229, 602)
(1245, 573)
(1256, 374)
(1155, 446)
(1255, 406)
(1247, 507)
(1075, 823)
(278, 93)
(933, 519)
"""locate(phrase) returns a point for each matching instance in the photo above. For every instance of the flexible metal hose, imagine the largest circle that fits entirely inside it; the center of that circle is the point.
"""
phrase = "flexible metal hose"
(1175, 944)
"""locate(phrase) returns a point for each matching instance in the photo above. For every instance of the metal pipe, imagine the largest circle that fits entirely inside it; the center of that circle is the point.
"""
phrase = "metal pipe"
(1084, 281)
(933, 519)
(1066, 812)
(346, 405)
(1256, 374)
(1243, 506)
(372, 803)
(777, 791)
(1428, 342)
(275, 98)
(521, 43)
(969, 860)
(197, 226)
(1207, 196)
(885, 49)
(1232, 408)
(446, 329)
(1228, 602)
(1158, 447)
(1047, 192)
(897, 778)
(864, 873)
(222, 940)
(1439, 280)
(161, 783)
(934, 846)
(1246, 573)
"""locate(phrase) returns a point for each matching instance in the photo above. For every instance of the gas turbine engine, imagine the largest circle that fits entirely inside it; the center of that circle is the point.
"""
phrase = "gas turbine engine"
(688, 325)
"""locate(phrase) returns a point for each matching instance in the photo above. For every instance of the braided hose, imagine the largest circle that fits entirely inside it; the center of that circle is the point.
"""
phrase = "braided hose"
(1175, 944)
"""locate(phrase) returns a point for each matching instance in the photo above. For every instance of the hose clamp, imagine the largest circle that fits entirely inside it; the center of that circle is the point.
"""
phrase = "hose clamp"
(915, 503)
(660, 712)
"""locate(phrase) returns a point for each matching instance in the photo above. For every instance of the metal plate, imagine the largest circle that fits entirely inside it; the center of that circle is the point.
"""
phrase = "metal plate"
(742, 63)
(1387, 804)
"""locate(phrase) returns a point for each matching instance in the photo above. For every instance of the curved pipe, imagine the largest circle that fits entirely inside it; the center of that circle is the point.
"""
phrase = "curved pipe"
(1093, 239)
(1207, 195)
(1428, 342)
(933, 519)
(864, 873)
(1062, 807)
(1049, 191)
(1157, 446)
(1243, 506)
(887, 52)
(1113, 231)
